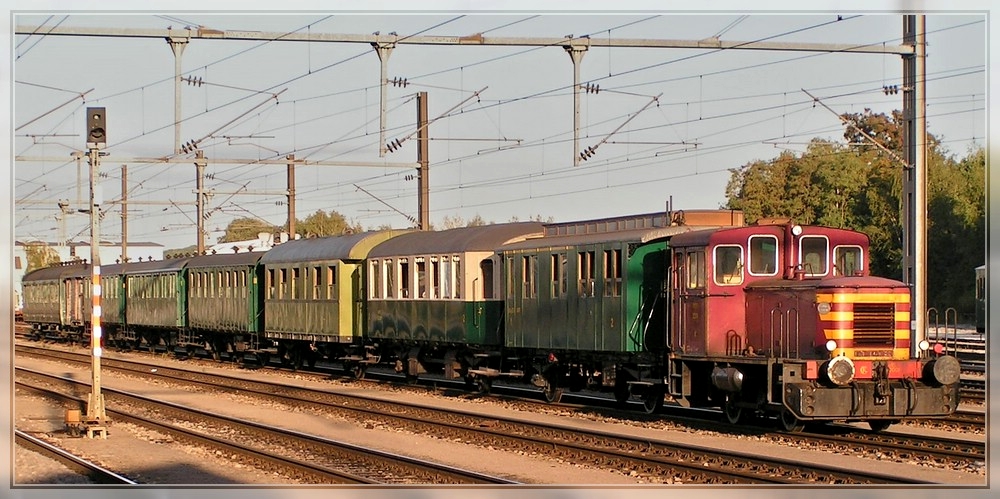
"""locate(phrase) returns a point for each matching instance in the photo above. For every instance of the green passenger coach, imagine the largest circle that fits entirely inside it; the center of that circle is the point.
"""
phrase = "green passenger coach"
(155, 301)
(313, 294)
(437, 295)
(224, 302)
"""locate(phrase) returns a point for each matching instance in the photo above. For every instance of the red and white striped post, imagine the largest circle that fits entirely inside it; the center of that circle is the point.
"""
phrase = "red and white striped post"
(97, 418)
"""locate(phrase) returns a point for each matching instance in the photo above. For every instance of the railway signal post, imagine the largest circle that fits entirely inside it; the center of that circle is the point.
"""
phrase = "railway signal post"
(96, 420)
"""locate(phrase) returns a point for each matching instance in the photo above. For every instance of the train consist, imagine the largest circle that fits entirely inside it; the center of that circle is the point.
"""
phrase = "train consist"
(696, 307)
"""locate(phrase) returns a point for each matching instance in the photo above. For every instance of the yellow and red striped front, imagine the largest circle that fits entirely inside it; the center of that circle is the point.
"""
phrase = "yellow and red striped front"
(867, 324)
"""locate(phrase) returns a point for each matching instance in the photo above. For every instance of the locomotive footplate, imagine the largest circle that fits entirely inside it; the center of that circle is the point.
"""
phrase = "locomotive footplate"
(870, 400)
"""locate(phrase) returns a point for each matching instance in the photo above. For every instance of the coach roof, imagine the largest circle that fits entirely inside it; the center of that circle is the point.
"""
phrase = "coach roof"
(225, 260)
(479, 238)
(348, 247)
(53, 272)
(154, 267)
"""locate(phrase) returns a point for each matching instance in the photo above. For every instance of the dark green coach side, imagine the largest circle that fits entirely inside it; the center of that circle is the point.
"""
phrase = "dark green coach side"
(155, 301)
(45, 306)
(225, 303)
(591, 295)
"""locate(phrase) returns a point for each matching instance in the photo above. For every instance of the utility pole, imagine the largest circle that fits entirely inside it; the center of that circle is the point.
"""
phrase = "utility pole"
(915, 176)
(576, 53)
(291, 196)
(423, 172)
(124, 213)
(384, 50)
(199, 163)
(177, 45)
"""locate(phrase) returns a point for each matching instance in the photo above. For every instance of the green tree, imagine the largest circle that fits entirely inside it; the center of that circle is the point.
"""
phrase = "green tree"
(246, 228)
(321, 224)
(39, 256)
(859, 186)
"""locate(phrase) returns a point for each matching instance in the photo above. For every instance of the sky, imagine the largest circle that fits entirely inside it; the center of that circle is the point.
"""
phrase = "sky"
(668, 124)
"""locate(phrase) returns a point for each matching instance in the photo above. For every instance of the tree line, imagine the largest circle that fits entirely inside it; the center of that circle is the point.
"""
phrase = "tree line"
(858, 186)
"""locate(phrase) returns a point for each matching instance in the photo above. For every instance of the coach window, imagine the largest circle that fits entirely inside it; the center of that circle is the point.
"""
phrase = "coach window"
(612, 272)
(728, 265)
(585, 269)
(696, 269)
(458, 278)
(558, 283)
(847, 260)
(375, 279)
(390, 279)
(270, 284)
(486, 266)
(331, 281)
(435, 278)
(421, 277)
(529, 268)
(447, 277)
(282, 282)
(296, 283)
(763, 255)
(311, 283)
(814, 255)
(404, 278)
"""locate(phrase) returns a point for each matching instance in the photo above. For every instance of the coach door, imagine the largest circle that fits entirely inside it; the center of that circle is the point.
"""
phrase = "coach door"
(690, 292)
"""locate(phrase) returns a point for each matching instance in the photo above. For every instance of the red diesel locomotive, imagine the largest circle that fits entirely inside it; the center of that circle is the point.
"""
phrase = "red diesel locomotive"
(785, 319)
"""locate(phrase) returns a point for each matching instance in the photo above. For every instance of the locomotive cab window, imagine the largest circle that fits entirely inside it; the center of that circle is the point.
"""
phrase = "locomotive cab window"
(763, 255)
(814, 255)
(728, 265)
(847, 260)
(696, 269)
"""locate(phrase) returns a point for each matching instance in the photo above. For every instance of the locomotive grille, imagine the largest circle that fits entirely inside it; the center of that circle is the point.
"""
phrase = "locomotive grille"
(874, 324)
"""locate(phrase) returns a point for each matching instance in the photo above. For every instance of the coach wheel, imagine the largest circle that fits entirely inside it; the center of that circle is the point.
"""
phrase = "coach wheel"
(553, 393)
(411, 379)
(789, 422)
(732, 412)
(652, 401)
(879, 425)
(263, 359)
(484, 384)
(358, 371)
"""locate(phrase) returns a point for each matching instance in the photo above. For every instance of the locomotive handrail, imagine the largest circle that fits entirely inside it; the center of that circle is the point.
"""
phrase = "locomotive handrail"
(784, 332)
(937, 327)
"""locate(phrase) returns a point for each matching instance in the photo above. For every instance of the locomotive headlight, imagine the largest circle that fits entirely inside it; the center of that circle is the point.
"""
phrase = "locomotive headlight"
(924, 345)
(796, 230)
(840, 370)
(824, 307)
(831, 345)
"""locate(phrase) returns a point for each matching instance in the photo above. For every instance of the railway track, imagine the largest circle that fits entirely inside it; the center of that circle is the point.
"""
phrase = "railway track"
(689, 464)
(94, 472)
(316, 460)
